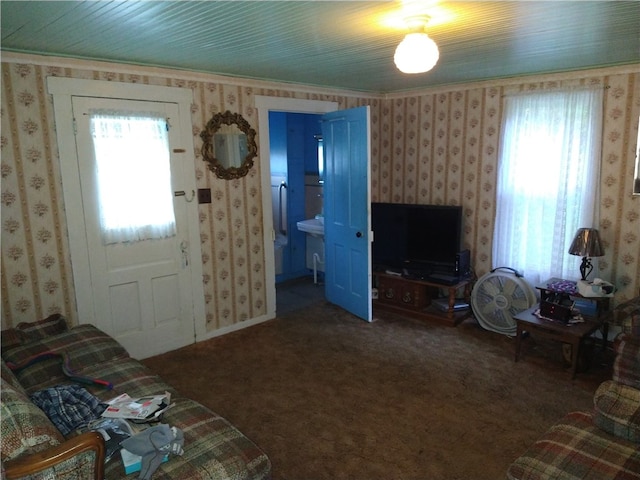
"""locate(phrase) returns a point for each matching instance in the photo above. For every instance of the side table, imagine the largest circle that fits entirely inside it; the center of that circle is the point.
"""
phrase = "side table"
(572, 334)
(600, 305)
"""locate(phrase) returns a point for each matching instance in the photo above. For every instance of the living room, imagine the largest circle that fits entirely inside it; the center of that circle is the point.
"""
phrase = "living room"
(430, 145)
(463, 134)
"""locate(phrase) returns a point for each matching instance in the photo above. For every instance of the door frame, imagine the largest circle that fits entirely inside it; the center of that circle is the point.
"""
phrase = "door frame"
(264, 105)
(62, 91)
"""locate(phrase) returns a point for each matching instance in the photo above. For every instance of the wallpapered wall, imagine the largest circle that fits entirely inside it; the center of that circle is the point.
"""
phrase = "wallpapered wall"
(442, 148)
(436, 147)
(36, 267)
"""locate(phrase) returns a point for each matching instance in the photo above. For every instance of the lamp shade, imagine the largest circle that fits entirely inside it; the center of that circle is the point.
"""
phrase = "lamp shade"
(416, 53)
(587, 243)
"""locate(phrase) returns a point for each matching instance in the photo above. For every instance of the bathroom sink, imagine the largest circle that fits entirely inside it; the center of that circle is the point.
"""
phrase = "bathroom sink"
(313, 226)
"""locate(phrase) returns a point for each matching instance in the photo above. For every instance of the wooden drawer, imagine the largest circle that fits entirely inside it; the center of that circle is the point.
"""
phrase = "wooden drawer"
(402, 293)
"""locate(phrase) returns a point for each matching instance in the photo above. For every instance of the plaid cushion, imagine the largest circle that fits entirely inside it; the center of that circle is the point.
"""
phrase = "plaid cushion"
(52, 325)
(26, 332)
(617, 410)
(631, 323)
(213, 448)
(626, 367)
(127, 376)
(12, 338)
(85, 345)
(627, 316)
(9, 377)
(24, 427)
(575, 449)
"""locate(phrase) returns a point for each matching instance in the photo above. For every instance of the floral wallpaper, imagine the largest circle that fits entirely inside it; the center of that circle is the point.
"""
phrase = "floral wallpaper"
(438, 146)
(443, 147)
(36, 272)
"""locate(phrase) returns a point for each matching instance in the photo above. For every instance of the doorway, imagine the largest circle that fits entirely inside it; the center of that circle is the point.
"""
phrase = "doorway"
(265, 106)
(149, 299)
(296, 191)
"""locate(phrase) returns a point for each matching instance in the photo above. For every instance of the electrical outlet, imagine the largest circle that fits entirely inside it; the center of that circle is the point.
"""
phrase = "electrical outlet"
(204, 195)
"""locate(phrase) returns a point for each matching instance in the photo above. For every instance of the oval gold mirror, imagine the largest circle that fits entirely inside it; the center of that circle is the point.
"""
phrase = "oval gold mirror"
(229, 145)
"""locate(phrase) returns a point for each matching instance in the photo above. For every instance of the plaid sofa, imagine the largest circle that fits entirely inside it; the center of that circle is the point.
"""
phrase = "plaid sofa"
(601, 444)
(213, 448)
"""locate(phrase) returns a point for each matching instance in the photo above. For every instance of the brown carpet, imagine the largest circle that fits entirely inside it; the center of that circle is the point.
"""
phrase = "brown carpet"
(328, 396)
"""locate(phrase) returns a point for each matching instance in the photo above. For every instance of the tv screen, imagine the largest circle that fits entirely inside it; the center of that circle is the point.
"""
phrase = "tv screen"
(389, 224)
(415, 236)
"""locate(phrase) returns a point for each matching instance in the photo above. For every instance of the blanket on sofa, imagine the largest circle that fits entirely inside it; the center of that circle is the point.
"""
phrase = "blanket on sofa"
(213, 448)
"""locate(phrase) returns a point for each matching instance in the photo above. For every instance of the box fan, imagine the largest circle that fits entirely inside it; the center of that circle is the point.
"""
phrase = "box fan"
(498, 296)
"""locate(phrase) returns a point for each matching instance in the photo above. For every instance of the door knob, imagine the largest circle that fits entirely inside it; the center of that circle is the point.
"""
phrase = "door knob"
(358, 234)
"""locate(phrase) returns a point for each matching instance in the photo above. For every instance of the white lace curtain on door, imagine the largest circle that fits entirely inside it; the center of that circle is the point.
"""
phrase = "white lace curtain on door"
(133, 173)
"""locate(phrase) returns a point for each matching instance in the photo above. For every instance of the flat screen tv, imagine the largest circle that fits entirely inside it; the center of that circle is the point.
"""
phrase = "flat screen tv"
(421, 237)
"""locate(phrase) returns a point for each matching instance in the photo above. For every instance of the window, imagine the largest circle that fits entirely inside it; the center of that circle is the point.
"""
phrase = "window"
(548, 176)
(320, 159)
(636, 175)
(133, 175)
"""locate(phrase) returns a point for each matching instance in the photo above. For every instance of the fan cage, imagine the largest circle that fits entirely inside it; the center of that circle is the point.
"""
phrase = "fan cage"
(497, 297)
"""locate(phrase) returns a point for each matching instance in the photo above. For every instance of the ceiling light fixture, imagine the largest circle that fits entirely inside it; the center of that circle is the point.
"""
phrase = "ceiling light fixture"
(417, 53)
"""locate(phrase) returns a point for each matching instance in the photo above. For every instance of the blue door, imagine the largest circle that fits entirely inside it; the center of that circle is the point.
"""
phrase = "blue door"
(347, 200)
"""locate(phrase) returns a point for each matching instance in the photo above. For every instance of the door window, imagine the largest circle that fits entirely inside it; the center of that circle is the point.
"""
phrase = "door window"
(133, 174)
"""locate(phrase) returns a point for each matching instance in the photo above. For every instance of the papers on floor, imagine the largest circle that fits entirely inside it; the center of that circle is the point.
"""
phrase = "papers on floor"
(137, 409)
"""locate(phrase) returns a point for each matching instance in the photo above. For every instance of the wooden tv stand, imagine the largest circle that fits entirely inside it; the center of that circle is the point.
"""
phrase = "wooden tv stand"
(414, 298)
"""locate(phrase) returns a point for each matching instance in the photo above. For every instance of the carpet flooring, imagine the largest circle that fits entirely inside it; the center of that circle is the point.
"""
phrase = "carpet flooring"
(329, 396)
(297, 293)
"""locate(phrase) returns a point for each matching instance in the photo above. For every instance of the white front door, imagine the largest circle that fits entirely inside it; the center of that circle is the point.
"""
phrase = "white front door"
(140, 290)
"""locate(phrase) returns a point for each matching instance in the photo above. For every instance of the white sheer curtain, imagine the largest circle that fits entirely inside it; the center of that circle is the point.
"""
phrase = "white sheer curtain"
(548, 177)
(134, 176)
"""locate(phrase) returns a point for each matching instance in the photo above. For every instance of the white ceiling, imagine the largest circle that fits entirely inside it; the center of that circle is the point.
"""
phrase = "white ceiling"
(343, 44)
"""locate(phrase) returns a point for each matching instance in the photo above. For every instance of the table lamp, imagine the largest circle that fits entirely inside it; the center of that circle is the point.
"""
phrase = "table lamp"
(586, 244)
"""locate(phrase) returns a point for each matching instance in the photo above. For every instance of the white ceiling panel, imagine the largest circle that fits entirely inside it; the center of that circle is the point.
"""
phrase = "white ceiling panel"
(343, 44)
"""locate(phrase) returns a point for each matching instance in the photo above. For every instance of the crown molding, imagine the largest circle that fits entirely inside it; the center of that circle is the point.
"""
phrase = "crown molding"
(188, 75)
